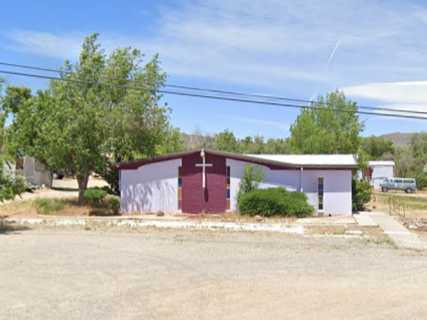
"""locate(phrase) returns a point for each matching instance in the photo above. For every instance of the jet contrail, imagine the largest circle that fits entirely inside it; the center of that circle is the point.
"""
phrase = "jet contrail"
(331, 56)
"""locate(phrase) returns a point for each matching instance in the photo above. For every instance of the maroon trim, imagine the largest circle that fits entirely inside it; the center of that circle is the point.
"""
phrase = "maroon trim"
(273, 165)
(135, 164)
(195, 199)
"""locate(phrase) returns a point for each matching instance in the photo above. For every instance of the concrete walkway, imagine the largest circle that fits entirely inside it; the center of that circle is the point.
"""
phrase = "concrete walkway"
(401, 236)
(365, 220)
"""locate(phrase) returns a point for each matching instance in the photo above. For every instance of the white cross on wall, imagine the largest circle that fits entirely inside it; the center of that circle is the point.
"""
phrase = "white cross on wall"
(204, 165)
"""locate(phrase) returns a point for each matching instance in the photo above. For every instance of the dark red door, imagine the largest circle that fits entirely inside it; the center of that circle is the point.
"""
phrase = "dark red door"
(195, 198)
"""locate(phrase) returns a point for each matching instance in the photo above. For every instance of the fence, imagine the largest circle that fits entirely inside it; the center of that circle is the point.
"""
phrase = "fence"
(396, 207)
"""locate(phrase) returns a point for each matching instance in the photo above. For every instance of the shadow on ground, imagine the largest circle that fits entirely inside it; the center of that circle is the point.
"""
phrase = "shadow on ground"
(66, 189)
(6, 228)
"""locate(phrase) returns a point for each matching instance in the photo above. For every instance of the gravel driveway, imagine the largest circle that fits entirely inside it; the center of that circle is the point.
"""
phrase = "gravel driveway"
(193, 275)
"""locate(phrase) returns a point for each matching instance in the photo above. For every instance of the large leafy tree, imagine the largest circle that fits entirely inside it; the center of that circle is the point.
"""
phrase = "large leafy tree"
(226, 141)
(377, 147)
(331, 126)
(10, 185)
(105, 110)
(405, 162)
(418, 149)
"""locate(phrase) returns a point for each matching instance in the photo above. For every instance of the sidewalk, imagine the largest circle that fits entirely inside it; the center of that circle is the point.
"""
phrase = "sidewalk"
(401, 236)
(158, 222)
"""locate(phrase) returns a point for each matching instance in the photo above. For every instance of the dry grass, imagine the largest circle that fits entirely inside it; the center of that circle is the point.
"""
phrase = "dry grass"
(410, 206)
(237, 217)
(326, 230)
(63, 207)
(70, 207)
(22, 208)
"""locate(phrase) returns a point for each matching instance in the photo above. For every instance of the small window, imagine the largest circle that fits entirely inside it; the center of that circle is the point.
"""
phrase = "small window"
(179, 188)
(228, 192)
(320, 194)
(179, 177)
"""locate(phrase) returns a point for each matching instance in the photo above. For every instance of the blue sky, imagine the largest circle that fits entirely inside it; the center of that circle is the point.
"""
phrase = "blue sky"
(375, 51)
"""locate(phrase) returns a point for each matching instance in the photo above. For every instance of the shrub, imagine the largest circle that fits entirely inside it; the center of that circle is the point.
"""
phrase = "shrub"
(113, 204)
(274, 201)
(10, 186)
(421, 181)
(252, 177)
(94, 196)
(361, 194)
(48, 206)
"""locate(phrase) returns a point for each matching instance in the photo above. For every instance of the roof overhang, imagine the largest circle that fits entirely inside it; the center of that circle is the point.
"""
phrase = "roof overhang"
(272, 164)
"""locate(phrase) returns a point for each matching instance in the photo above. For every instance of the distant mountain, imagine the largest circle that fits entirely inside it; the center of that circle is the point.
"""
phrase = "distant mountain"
(399, 138)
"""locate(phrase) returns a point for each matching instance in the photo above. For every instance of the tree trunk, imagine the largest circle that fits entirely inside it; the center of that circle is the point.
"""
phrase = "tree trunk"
(82, 181)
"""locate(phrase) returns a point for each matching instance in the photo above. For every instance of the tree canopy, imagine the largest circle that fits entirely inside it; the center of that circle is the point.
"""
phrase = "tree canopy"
(377, 148)
(105, 110)
(227, 141)
(10, 185)
(330, 126)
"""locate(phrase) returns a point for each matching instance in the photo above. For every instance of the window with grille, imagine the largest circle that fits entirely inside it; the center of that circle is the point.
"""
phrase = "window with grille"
(320, 194)
(227, 192)
(179, 188)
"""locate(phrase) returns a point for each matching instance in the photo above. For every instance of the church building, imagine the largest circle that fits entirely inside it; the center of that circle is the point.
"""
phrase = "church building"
(207, 181)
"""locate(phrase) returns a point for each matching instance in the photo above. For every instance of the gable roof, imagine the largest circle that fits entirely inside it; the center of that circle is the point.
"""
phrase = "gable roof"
(271, 161)
(381, 163)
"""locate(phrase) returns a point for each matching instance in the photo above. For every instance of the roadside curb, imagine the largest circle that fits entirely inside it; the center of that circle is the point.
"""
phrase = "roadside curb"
(161, 224)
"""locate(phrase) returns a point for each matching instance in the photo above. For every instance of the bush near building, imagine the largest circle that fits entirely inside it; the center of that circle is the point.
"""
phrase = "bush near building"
(94, 196)
(361, 194)
(274, 202)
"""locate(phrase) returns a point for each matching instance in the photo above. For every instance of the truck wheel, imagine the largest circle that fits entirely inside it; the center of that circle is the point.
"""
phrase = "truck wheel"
(384, 189)
(408, 190)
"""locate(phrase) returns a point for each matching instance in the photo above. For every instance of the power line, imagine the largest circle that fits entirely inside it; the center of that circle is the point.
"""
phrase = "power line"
(229, 92)
(289, 99)
(25, 66)
(212, 97)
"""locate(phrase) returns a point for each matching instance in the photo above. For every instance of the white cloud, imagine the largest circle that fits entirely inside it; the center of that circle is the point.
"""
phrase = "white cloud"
(271, 43)
(45, 43)
(404, 95)
(402, 92)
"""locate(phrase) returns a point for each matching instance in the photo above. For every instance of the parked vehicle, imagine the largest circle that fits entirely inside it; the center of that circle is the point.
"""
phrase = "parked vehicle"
(406, 184)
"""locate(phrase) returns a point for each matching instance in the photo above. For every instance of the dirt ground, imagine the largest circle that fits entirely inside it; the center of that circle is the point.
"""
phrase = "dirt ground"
(49, 274)
(64, 189)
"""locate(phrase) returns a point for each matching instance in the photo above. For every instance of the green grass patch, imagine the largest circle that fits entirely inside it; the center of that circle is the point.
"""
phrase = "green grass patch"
(49, 206)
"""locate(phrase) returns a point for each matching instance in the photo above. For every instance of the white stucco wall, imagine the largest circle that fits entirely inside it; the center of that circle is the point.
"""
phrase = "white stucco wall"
(150, 188)
(337, 190)
(379, 173)
(35, 173)
(337, 185)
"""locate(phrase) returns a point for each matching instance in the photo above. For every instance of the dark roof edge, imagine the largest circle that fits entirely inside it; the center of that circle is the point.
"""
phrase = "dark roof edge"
(135, 164)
